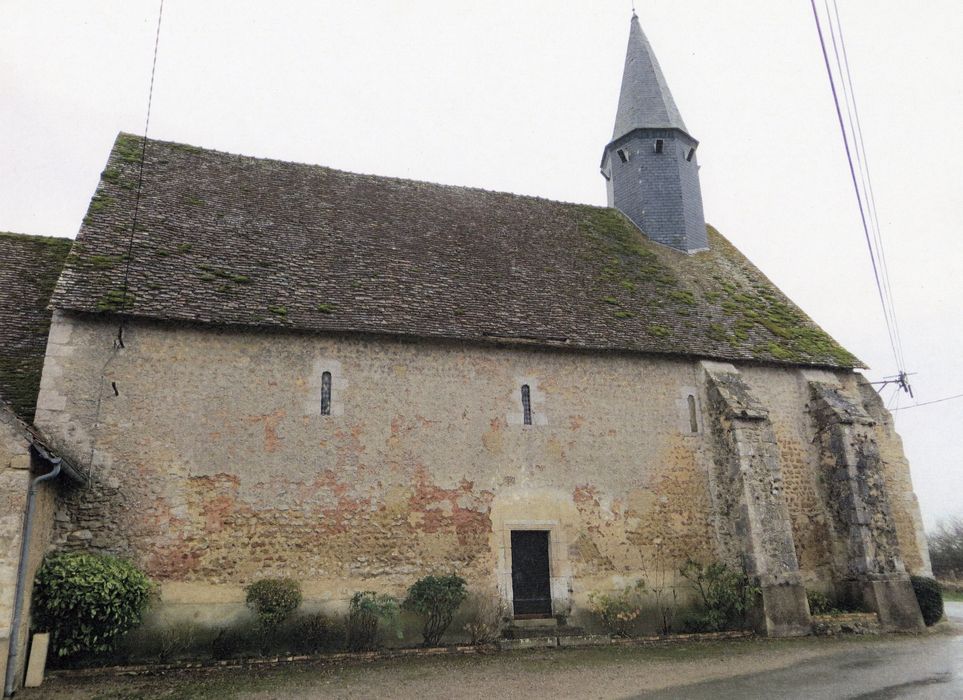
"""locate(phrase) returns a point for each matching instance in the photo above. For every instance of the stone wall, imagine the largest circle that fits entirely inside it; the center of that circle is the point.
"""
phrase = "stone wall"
(212, 466)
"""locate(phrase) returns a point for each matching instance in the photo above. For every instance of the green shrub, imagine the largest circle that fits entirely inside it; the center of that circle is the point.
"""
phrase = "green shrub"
(820, 603)
(273, 600)
(436, 598)
(86, 601)
(366, 611)
(617, 611)
(727, 596)
(930, 597)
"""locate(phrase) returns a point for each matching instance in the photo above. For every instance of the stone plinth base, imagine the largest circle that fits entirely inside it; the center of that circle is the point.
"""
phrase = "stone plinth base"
(784, 611)
(895, 603)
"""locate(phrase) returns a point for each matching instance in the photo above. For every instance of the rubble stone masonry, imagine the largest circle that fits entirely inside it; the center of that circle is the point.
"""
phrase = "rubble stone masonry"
(212, 464)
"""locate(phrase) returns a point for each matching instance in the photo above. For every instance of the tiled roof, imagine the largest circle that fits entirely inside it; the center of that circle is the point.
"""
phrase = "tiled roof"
(29, 266)
(232, 240)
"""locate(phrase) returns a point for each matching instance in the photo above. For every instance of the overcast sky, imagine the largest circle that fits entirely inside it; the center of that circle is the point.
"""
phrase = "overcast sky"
(521, 97)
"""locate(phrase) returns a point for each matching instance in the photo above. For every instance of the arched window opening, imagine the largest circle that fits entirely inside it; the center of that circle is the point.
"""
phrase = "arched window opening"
(526, 405)
(326, 394)
(693, 418)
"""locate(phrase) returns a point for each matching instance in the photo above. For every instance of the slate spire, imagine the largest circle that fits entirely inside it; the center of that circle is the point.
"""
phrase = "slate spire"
(645, 100)
(650, 165)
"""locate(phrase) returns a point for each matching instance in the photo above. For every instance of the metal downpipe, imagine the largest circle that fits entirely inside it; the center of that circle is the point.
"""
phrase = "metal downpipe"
(13, 652)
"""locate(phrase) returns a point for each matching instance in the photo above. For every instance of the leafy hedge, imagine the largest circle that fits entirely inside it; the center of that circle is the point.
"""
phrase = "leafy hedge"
(930, 597)
(87, 601)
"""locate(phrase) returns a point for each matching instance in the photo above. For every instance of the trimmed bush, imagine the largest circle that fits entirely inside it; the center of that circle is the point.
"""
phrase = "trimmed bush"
(930, 597)
(619, 610)
(436, 598)
(366, 611)
(87, 601)
(273, 600)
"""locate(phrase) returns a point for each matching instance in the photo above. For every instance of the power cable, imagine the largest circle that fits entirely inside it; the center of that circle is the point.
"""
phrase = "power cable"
(859, 196)
(862, 161)
(119, 342)
(927, 403)
(143, 157)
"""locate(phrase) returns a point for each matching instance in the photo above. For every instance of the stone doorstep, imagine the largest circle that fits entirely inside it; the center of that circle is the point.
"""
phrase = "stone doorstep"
(535, 623)
(538, 642)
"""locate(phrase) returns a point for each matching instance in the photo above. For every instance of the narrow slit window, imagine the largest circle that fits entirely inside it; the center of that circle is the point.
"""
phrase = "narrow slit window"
(659, 144)
(693, 418)
(623, 155)
(526, 405)
(326, 394)
(690, 154)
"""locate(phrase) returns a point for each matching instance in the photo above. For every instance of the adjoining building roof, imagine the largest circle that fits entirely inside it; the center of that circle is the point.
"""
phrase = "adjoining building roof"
(35, 439)
(645, 101)
(29, 267)
(232, 240)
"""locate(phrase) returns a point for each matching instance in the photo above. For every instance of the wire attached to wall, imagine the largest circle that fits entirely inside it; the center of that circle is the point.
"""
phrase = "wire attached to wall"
(140, 174)
(119, 340)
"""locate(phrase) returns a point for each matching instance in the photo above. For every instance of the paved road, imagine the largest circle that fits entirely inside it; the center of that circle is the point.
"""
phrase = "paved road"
(931, 669)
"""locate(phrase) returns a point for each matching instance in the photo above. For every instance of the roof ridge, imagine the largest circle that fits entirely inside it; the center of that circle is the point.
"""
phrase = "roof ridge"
(352, 173)
(39, 237)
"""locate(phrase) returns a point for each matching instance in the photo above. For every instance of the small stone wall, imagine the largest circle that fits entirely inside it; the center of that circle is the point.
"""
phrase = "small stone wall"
(848, 623)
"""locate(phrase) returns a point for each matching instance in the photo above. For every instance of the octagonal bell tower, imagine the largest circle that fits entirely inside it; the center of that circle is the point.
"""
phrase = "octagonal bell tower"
(650, 165)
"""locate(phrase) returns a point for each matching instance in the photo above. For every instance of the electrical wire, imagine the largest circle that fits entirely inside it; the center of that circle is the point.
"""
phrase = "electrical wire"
(119, 342)
(143, 157)
(863, 161)
(927, 403)
(888, 312)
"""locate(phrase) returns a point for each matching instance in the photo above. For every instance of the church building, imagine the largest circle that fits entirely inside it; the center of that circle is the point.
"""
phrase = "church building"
(353, 380)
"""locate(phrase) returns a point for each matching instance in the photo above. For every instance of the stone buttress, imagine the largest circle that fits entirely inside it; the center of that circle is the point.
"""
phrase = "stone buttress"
(753, 522)
(868, 565)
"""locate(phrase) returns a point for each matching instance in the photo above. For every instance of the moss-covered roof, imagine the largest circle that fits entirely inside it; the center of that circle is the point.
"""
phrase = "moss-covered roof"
(29, 267)
(233, 240)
